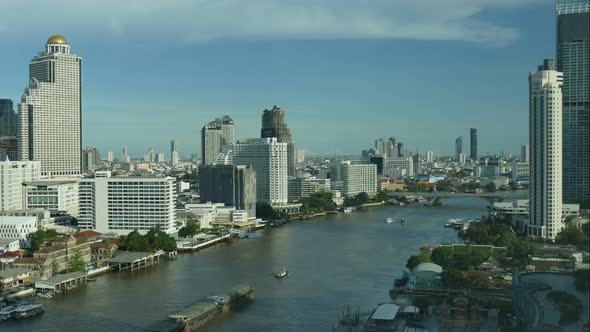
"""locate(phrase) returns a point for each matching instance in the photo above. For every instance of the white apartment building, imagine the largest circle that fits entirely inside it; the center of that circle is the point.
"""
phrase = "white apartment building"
(545, 135)
(268, 158)
(391, 167)
(18, 227)
(520, 170)
(429, 156)
(359, 178)
(53, 195)
(123, 204)
(49, 114)
(12, 176)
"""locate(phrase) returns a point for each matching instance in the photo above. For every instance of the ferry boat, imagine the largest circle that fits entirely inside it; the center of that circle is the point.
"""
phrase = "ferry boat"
(282, 273)
(28, 310)
(389, 220)
(7, 313)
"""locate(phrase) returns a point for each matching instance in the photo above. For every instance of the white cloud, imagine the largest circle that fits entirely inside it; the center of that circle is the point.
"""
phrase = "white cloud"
(186, 21)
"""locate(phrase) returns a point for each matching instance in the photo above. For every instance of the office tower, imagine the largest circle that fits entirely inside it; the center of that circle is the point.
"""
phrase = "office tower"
(12, 176)
(125, 155)
(381, 147)
(268, 158)
(573, 60)
(525, 153)
(233, 185)
(400, 150)
(110, 156)
(417, 164)
(214, 136)
(274, 124)
(8, 142)
(174, 158)
(391, 148)
(378, 160)
(123, 204)
(49, 114)
(149, 156)
(367, 154)
(473, 144)
(545, 139)
(160, 157)
(458, 147)
(358, 178)
(395, 167)
(429, 156)
(299, 156)
(90, 159)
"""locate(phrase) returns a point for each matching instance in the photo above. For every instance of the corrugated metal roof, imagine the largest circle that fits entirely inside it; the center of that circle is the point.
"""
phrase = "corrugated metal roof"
(385, 311)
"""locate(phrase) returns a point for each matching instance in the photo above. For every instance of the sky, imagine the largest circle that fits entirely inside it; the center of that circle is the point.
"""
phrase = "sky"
(346, 71)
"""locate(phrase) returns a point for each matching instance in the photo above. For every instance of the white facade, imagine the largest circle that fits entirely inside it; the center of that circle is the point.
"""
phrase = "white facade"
(545, 135)
(110, 156)
(520, 170)
(429, 156)
(123, 204)
(13, 227)
(462, 158)
(49, 116)
(12, 176)
(268, 158)
(392, 167)
(53, 195)
(359, 178)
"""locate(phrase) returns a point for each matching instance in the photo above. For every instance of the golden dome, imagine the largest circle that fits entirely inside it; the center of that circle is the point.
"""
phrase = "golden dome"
(57, 39)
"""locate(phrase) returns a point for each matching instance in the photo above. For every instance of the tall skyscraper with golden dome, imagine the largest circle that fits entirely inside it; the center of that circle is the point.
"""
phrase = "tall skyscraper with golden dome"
(50, 111)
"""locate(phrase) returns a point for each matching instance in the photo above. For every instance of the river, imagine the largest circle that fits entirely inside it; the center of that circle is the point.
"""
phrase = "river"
(333, 261)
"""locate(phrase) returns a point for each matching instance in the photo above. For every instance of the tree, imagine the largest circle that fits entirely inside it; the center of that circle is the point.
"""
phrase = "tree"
(444, 185)
(443, 256)
(76, 264)
(363, 198)
(570, 235)
(381, 196)
(453, 278)
(189, 230)
(490, 187)
(477, 279)
(39, 237)
(135, 242)
(414, 260)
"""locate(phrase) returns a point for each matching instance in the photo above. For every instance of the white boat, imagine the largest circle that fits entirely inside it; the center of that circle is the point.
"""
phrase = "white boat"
(348, 210)
(282, 273)
(389, 220)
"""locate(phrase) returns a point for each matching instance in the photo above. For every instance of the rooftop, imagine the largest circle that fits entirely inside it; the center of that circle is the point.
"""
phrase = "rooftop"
(427, 267)
(50, 182)
(87, 234)
(385, 311)
(130, 257)
(12, 272)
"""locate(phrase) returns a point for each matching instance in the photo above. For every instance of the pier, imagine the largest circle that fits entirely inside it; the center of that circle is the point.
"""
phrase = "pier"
(61, 282)
(134, 261)
(201, 241)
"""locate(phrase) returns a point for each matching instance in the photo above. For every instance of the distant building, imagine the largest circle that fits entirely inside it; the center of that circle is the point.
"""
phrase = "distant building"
(300, 156)
(458, 147)
(50, 111)
(396, 167)
(233, 185)
(174, 157)
(303, 187)
(90, 159)
(110, 156)
(545, 134)
(473, 143)
(54, 195)
(525, 153)
(268, 158)
(123, 204)
(274, 124)
(8, 142)
(429, 156)
(462, 158)
(12, 176)
(359, 178)
(125, 155)
(378, 160)
(487, 171)
(520, 170)
(214, 136)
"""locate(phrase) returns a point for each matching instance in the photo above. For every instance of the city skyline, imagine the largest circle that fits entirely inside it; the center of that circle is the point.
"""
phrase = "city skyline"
(159, 111)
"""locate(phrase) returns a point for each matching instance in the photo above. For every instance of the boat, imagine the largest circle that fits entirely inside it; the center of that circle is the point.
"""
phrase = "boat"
(7, 313)
(389, 220)
(282, 273)
(426, 247)
(28, 310)
(402, 221)
(348, 210)
(44, 295)
(253, 235)
(192, 318)
(90, 279)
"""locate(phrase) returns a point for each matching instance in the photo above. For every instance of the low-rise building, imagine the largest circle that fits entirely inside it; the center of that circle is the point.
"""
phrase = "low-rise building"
(103, 251)
(9, 245)
(13, 278)
(18, 227)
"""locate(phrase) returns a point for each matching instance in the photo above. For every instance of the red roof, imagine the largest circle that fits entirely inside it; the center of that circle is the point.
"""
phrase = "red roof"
(10, 254)
(87, 234)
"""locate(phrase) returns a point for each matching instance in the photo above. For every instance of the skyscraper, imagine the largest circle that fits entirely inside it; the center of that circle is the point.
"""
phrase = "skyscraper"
(545, 127)
(173, 153)
(473, 143)
(268, 158)
(429, 156)
(234, 185)
(458, 147)
(90, 159)
(8, 142)
(214, 136)
(274, 124)
(525, 153)
(49, 127)
(391, 148)
(124, 155)
(573, 59)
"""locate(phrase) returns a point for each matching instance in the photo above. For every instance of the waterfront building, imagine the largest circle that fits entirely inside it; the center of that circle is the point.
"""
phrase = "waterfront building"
(458, 147)
(12, 176)
(18, 227)
(123, 204)
(274, 124)
(268, 158)
(359, 178)
(303, 187)
(90, 159)
(573, 60)
(393, 167)
(49, 126)
(473, 144)
(233, 185)
(545, 135)
(214, 136)
(520, 170)
(429, 156)
(54, 195)
(525, 153)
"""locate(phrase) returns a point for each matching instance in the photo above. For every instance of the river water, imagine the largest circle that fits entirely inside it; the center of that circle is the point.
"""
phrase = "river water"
(333, 261)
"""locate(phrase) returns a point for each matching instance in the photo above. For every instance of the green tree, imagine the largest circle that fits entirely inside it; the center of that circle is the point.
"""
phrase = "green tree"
(443, 256)
(453, 278)
(135, 242)
(39, 237)
(189, 230)
(423, 257)
(76, 264)
(381, 196)
(570, 235)
(490, 187)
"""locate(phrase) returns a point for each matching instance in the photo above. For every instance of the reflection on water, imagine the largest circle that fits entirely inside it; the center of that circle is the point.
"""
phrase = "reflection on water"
(332, 261)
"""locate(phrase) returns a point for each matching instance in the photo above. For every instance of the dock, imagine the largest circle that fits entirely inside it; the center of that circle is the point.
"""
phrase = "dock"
(200, 241)
(134, 261)
(61, 282)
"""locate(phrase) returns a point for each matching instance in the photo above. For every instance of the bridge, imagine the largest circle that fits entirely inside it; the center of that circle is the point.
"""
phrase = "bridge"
(433, 198)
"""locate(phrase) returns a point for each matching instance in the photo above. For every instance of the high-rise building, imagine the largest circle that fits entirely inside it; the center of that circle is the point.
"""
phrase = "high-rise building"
(525, 153)
(462, 158)
(55, 195)
(214, 136)
(395, 167)
(174, 153)
(268, 158)
(123, 204)
(7, 118)
(49, 127)
(149, 156)
(300, 156)
(12, 176)
(545, 139)
(473, 144)
(400, 150)
(359, 178)
(274, 124)
(110, 156)
(573, 60)
(233, 185)
(429, 156)
(391, 148)
(90, 159)
(381, 147)
(458, 147)
(125, 155)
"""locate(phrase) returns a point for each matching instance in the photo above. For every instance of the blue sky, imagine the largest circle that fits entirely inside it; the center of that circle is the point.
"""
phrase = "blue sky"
(346, 71)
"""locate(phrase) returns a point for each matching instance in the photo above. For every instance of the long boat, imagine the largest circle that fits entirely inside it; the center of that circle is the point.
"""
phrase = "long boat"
(7, 313)
(28, 310)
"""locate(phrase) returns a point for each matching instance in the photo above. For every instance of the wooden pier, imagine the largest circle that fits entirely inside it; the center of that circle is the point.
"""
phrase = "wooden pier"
(134, 261)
